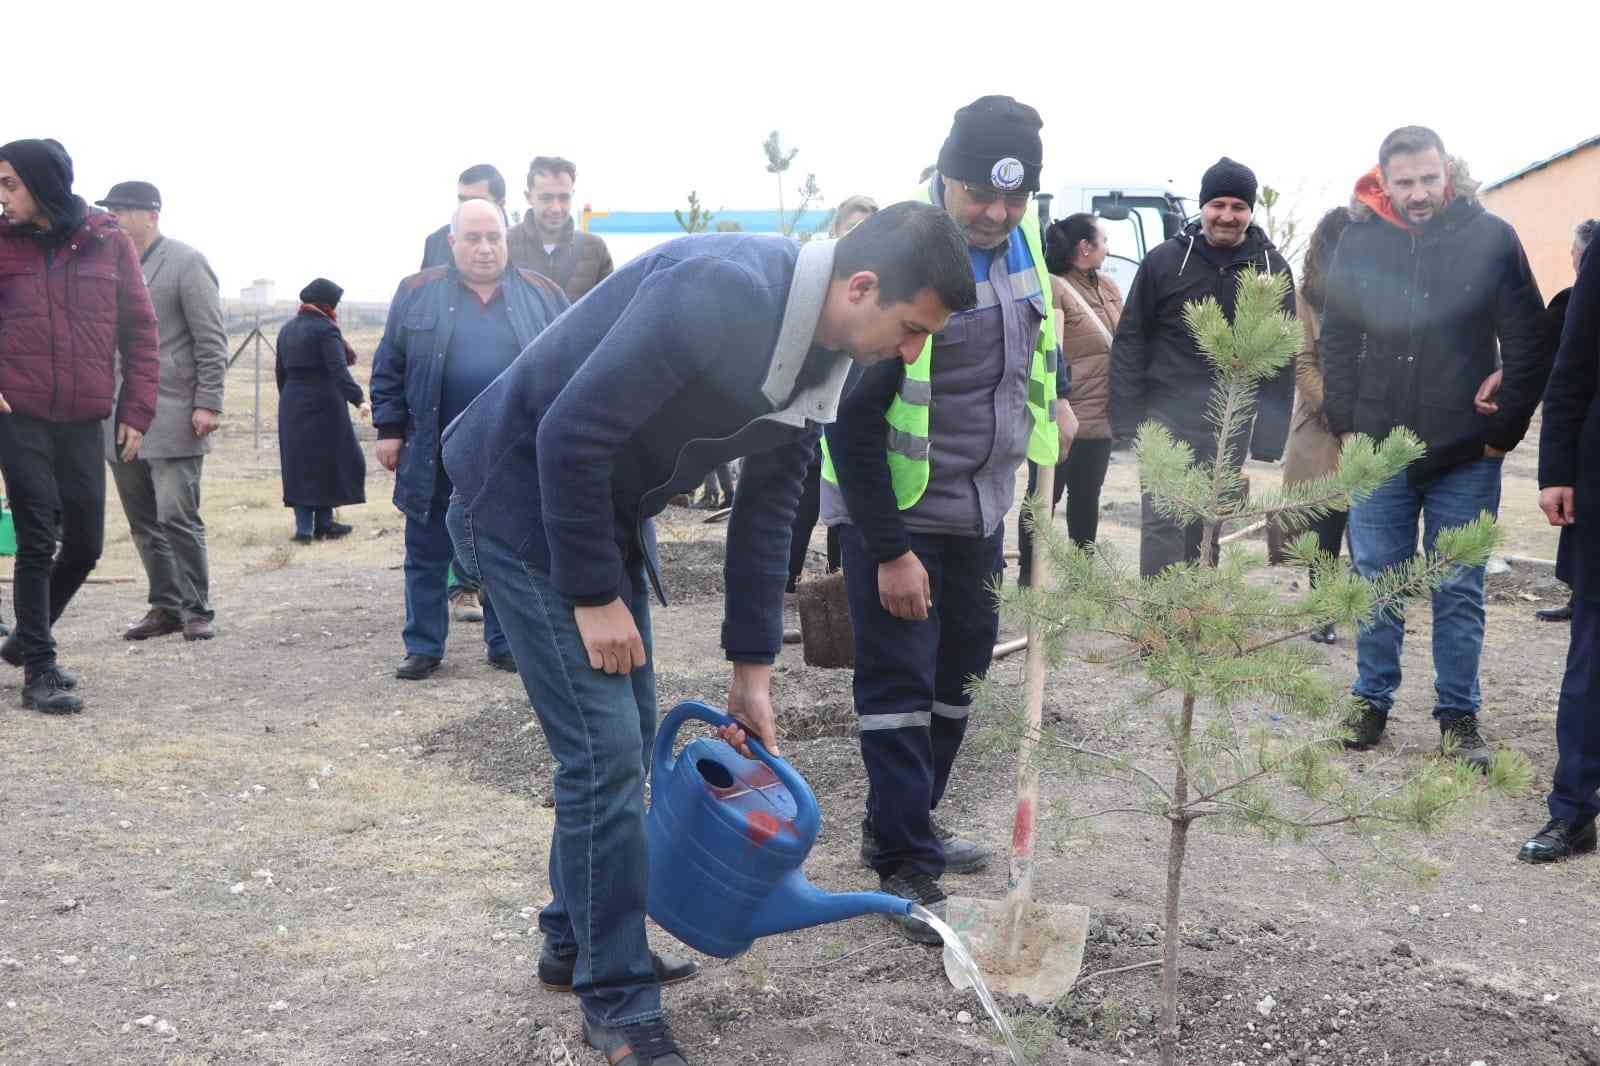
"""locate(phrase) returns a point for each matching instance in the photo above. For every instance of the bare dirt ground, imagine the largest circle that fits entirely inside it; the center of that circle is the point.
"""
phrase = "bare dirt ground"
(267, 850)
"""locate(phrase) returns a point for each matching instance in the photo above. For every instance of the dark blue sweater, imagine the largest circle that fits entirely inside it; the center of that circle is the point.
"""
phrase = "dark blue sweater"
(630, 398)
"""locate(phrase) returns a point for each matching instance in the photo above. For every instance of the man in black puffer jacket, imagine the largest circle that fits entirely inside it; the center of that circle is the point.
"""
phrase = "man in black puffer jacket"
(1159, 373)
(1425, 287)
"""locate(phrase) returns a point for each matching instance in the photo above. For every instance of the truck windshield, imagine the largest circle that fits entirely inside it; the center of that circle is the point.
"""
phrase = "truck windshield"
(1133, 237)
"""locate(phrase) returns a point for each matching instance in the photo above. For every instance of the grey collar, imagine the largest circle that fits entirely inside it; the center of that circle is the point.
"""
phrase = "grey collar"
(807, 291)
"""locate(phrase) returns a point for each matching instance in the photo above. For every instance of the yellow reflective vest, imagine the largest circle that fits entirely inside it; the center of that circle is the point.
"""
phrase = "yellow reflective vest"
(908, 440)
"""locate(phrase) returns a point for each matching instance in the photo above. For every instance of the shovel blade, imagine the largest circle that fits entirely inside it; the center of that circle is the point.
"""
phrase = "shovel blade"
(1044, 962)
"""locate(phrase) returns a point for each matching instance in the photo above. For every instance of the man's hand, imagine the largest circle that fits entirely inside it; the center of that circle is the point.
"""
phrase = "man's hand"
(1490, 452)
(610, 637)
(365, 410)
(903, 587)
(1345, 439)
(750, 701)
(1558, 504)
(389, 452)
(205, 421)
(128, 440)
(5, 408)
(1484, 401)
(1066, 426)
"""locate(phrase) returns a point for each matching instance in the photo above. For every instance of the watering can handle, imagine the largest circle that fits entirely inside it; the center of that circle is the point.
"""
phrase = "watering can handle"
(809, 817)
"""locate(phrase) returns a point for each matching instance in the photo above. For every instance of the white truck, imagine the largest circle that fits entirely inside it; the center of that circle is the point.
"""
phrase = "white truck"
(1136, 218)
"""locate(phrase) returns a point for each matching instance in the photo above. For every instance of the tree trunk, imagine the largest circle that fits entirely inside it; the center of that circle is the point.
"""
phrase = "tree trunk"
(1177, 842)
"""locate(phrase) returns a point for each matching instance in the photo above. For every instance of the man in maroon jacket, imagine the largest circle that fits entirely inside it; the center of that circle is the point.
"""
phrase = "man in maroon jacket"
(71, 297)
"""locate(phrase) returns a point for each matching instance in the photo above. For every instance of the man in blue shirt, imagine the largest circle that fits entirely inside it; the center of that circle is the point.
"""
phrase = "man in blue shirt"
(705, 349)
(451, 331)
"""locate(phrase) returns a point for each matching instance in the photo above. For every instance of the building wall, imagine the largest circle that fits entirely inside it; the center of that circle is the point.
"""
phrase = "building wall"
(1544, 206)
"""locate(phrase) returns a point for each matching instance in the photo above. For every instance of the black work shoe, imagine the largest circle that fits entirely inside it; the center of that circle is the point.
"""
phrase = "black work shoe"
(1367, 724)
(1325, 634)
(11, 652)
(555, 972)
(961, 856)
(913, 884)
(1555, 614)
(503, 661)
(647, 1043)
(417, 667)
(1558, 841)
(1459, 738)
(46, 693)
(334, 531)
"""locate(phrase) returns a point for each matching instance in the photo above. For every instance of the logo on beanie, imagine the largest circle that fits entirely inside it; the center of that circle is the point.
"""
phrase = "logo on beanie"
(1007, 174)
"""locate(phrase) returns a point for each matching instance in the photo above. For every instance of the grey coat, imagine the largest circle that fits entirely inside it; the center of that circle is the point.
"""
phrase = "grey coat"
(194, 349)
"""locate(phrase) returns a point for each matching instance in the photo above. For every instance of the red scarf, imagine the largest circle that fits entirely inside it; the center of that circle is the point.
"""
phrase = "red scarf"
(332, 316)
(1369, 191)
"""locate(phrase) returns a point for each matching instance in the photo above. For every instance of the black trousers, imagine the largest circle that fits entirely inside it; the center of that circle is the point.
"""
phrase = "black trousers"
(1080, 475)
(1577, 777)
(805, 520)
(55, 475)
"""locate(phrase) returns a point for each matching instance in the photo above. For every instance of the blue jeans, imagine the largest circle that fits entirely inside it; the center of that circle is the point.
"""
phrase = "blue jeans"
(911, 685)
(1577, 777)
(309, 520)
(1383, 533)
(600, 728)
(429, 554)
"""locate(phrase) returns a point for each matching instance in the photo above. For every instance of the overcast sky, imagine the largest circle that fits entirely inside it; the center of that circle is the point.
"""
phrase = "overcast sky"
(291, 140)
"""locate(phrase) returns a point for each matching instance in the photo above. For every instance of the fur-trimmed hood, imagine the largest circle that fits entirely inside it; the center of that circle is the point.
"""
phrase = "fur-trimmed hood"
(1463, 187)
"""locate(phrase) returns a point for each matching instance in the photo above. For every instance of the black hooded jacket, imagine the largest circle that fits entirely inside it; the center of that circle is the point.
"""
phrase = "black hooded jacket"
(1414, 321)
(1157, 370)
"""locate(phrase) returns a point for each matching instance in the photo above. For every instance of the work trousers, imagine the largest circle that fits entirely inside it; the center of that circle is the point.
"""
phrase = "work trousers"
(161, 499)
(911, 682)
(1080, 477)
(55, 475)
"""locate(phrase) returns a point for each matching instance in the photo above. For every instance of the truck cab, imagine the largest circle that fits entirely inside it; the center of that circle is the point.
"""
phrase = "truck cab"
(1136, 218)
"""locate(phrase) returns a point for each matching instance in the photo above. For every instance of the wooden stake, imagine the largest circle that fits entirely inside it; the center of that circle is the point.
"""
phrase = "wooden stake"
(1024, 829)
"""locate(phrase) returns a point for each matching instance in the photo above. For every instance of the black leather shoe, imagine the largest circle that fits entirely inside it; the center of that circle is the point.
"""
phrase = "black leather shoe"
(1555, 614)
(1558, 841)
(417, 667)
(11, 652)
(503, 661)
(46, 693)
(1367, 724)
(334, 531)
(1325, 634)
(555, 972)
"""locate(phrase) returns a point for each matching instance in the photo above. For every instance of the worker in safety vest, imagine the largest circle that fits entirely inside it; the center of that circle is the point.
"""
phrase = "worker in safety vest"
(919, 473)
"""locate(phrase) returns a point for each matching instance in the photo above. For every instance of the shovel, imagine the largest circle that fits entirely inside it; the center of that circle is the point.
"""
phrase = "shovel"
(1024, 948)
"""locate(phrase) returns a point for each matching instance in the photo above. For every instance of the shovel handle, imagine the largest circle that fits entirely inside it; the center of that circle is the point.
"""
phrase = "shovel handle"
(1025, 829)
(809, 816)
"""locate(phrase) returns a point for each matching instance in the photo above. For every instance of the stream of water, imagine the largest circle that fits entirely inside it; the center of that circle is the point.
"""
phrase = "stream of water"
(970, 968)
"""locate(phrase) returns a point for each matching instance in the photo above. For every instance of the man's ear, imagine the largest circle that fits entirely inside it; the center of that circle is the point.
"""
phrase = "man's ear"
(861, 285)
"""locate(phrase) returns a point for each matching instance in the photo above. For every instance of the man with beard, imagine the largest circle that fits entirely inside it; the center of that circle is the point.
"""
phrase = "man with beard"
(548, 241)
(1159, 373)
(1425, 289)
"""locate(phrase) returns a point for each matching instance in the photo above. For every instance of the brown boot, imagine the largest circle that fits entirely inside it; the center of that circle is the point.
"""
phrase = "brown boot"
(199, 629)
(156, 623)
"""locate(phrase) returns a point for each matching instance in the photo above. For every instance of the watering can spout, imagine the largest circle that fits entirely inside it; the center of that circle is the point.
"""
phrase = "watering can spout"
(796, 903)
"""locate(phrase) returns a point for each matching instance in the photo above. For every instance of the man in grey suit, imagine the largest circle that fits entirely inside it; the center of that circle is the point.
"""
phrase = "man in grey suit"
(160, 490)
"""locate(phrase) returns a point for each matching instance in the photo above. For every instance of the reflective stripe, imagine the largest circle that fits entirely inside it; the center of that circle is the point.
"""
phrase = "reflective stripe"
(950, 710)
(904, 720)
(917, 392)
(908, 444)
(1037, 397)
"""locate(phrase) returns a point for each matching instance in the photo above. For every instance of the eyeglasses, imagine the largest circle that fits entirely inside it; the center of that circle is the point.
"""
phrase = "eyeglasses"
(987, 194)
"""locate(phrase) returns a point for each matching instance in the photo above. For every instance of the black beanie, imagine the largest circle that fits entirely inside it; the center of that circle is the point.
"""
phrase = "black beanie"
(46, 171)
(321, 292)
(1227, 178)
(994, 141)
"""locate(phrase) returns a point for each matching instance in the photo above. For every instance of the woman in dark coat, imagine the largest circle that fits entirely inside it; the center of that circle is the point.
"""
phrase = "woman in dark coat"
(323, 465)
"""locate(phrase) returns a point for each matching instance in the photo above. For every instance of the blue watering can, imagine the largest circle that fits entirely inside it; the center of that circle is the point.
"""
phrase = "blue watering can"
(727, 838)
